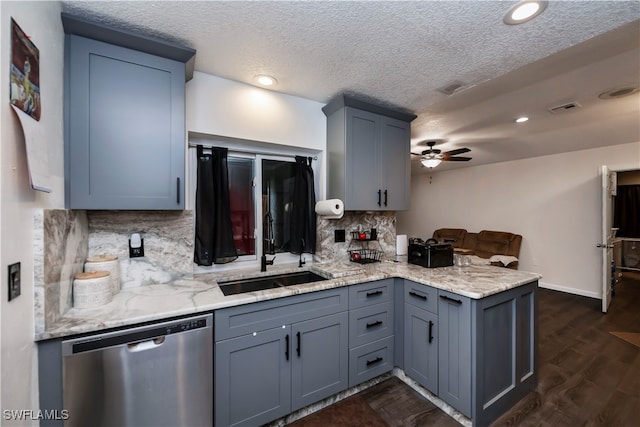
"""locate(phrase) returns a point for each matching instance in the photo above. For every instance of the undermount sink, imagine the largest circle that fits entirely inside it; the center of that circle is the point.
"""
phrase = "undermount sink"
(270, 282)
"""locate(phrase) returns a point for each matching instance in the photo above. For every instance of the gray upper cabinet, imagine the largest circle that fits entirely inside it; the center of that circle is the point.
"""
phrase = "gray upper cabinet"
(125, 127)
(369, 155)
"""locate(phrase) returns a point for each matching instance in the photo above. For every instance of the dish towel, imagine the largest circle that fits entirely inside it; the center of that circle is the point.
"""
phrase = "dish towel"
(504, 259)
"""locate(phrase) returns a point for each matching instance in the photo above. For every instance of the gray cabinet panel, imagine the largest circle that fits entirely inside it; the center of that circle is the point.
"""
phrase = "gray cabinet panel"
(252, 378)
(395, 165)
(319, 359)
(504, 347)
(454, 381)
(370, 293)
(125, 139)
(362, 160)
(421, 346)
(370, 323)
(245, 319)
(370, 360)
(422, 296)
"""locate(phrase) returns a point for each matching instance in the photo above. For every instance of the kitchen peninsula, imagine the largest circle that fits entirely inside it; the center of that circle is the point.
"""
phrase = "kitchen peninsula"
(466, 335)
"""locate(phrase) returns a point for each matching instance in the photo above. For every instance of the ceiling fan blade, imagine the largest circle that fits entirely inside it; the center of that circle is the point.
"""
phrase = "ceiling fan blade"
(416, 154)
(456, 159)
(431, 151)
(457, 151)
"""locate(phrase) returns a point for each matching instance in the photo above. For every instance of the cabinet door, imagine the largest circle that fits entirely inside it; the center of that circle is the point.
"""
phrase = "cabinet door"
(362, 161)
(253, 377)
(395, 163)
(454, 373)
(421, 347)
(319, 359)
(126, 128)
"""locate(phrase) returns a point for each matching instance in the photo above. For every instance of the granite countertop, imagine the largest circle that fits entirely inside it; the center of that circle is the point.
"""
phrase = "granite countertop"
(146, 303)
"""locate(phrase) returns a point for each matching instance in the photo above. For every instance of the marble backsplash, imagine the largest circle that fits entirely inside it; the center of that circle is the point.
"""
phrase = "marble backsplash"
(63, 239)
(60, 249)
(329, 250)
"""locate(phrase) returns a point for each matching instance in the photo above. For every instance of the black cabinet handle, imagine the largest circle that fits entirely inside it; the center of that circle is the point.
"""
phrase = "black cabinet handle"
(299, 346)
(178, 190)
(413, 294)
(373, 294)
(286, 350)
(376, 323)
(457, 301)
(385, 197)
(376, 360)
(379, 197)
(430, 331)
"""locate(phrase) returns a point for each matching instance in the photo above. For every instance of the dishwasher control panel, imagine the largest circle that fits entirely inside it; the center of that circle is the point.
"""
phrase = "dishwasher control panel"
(186, 326)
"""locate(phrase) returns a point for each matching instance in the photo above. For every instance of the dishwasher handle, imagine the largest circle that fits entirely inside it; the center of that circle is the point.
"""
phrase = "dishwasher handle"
(146, 345)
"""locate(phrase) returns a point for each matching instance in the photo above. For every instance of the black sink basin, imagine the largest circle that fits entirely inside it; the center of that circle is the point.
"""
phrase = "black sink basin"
(270, 282)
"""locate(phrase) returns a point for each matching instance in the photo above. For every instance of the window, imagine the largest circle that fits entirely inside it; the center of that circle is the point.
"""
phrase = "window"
(261, 196)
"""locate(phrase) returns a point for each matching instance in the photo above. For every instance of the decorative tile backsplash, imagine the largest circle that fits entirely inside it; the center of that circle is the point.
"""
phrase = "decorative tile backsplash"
(383, 222)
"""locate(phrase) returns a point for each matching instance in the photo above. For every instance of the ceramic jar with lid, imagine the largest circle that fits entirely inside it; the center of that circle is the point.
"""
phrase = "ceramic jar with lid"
(92, 289)
(108, 263)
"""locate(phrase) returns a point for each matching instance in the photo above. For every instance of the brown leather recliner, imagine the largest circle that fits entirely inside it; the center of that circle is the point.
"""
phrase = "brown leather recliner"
(455, 236)
(484, 244)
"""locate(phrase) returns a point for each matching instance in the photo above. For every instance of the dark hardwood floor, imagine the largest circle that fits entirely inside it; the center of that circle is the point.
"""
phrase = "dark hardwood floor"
(586, 375)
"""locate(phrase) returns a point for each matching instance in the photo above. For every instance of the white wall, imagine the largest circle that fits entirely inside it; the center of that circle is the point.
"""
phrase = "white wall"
(217, 106)
(18, 355)
(553, 201)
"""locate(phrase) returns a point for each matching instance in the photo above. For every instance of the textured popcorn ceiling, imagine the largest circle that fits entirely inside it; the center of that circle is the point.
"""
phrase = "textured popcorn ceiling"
(401, 53)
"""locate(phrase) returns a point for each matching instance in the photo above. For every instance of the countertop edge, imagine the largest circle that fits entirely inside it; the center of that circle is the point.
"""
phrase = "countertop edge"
(207, 296)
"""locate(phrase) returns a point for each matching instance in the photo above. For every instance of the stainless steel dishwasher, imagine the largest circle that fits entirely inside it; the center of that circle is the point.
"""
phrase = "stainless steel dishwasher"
(157, 375)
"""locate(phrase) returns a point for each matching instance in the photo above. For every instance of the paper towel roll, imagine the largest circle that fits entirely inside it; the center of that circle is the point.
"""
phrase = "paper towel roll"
(402, 244)
(330, 209)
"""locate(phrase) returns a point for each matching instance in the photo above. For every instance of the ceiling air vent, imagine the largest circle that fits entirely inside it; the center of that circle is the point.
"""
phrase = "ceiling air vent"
(564, 107)
(451, 88)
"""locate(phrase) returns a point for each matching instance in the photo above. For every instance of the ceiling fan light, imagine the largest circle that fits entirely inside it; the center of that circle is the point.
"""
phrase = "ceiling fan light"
(524, 11)
(430, 163)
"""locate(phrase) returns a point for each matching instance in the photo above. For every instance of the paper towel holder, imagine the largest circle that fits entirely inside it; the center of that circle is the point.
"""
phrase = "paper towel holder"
(335, 209)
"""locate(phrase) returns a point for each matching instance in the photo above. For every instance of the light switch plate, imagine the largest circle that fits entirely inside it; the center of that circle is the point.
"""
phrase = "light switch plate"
(14, 281)
(339, 236)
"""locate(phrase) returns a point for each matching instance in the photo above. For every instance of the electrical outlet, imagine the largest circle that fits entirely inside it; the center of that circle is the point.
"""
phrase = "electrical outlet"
(14, 281)
(339, 236)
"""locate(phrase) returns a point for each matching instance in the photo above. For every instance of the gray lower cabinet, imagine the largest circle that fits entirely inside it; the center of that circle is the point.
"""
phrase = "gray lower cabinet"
(371, 330)
(454, 351)
(477, 355)
(421, 346)
(288, 353)
(125, 128)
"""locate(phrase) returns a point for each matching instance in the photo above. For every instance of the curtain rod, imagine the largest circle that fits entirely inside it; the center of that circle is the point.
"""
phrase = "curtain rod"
(244, 150)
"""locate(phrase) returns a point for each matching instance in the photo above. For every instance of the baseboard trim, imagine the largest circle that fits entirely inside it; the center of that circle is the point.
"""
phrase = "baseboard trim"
(567, 290)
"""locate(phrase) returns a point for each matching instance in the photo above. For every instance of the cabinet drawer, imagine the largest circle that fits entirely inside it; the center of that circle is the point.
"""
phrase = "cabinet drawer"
(245, 319)
(370, 293)
(371, 323)
(422, 296)
(370, 360)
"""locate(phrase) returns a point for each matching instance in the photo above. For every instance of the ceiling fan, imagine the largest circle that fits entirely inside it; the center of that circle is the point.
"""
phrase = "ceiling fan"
(433, 156)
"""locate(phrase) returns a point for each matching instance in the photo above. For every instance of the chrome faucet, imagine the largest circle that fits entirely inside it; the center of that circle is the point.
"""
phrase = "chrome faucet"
(301, 262)
(264, 262)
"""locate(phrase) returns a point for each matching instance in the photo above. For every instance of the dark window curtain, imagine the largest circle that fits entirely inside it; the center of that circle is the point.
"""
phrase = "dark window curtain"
(626, 212)
(303, 213)
(214, 234)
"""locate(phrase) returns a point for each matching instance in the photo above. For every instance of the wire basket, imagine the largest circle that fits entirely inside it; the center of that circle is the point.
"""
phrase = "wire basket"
(365, 256)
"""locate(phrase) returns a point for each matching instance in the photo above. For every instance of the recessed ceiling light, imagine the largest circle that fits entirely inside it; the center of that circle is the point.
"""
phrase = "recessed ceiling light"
(265, 80)
(524, 11)
(618, 92)
(522, 119)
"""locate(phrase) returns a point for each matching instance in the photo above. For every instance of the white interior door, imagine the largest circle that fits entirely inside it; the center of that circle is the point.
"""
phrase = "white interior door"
(608, 191)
